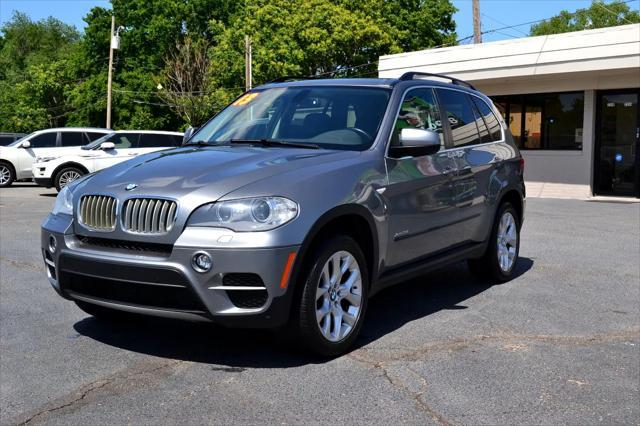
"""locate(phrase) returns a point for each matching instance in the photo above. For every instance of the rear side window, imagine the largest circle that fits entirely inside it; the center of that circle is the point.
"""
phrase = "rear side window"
(125, 140)
(6, 140)
(419, 110)
(45, 140)
(72, 139)
(152, 140)
(462, 119)
(489, 118)
(482, 126)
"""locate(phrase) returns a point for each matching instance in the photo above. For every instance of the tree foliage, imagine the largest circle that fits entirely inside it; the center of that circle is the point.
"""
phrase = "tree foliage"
(598, 15)
(181, 60)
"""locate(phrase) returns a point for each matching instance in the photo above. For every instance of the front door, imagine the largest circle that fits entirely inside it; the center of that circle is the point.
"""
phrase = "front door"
(617, 144)
(420, 195)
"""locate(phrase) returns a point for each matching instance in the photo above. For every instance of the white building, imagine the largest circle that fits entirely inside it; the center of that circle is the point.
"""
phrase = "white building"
(571, 101)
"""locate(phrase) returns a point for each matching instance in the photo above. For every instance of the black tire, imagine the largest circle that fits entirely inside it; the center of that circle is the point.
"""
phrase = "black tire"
(488, 266)
(7, 174)
(306, 324)
(103, 313)
(59, 181)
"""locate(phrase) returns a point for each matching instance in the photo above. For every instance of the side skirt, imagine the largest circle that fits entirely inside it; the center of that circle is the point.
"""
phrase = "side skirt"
(428, 264)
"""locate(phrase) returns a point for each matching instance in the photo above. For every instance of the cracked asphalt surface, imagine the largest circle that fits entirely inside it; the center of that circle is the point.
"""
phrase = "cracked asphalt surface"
(558, 344)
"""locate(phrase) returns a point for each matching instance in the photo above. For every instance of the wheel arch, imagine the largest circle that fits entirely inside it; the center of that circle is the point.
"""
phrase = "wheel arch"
(11, 166)
(353, 220)
(515, 198)
(57, 170)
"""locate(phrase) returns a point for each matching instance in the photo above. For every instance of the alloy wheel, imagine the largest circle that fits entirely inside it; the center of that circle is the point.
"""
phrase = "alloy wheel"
(339, 296)
(507, 241)
(68, 177)
(5, 175)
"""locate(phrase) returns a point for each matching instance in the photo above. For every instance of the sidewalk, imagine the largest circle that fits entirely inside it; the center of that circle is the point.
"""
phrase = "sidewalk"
(570, 192)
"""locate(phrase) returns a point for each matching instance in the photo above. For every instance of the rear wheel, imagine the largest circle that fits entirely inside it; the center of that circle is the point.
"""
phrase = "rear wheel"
(334, 297)
(499, 261)
(7, 175)
(67, 175)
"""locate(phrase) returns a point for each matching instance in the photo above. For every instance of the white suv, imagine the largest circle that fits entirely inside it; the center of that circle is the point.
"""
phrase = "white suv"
(60, 169)
(17, 158)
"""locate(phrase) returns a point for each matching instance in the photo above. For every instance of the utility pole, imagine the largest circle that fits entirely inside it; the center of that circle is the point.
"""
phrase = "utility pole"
(109, 80)
(247, 62)
(477, 29)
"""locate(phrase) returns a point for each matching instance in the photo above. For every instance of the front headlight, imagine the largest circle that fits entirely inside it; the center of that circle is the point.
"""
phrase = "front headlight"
(44, 159)
(248, 214)
(64, 202)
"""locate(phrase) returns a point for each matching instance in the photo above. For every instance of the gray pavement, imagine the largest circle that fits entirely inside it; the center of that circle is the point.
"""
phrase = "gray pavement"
(558, 344)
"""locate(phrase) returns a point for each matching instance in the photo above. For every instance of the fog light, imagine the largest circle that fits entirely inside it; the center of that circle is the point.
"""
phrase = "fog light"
(53, 244)
(201, 262)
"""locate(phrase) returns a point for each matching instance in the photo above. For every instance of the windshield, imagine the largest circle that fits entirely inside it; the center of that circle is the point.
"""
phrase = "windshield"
(98, 141)
(345, 118)
(21, 139)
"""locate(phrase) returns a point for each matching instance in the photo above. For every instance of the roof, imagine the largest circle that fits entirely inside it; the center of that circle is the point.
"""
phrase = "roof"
(74, 129)
(364, 82)
(155, 132)
(596, 50)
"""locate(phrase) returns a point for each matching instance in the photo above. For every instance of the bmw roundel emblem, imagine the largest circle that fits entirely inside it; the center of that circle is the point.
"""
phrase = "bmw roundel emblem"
(131, 187)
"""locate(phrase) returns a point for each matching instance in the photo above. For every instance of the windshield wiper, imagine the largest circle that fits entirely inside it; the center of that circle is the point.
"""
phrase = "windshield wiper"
(273, 142)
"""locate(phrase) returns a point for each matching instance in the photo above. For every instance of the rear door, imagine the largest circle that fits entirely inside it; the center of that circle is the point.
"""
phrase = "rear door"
(126, 145)
(479, 155)
(150, 142)
(420, 193)
(41, 145)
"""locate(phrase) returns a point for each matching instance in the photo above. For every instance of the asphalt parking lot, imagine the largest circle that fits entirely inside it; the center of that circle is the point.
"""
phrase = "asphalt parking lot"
(558, 344)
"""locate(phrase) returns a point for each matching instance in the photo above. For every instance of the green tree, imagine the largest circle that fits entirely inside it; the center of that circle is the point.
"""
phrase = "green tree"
(35, 72)
(598, 15)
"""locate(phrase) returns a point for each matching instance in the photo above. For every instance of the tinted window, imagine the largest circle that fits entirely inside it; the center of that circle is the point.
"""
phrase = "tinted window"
(45, 140)
(6, 140)
(489, 117)
(462, 119)
(419, 110)
(93, 136)
(482, 127)
(72, 139)
(124, 140)
(150, 140)
(545, 120)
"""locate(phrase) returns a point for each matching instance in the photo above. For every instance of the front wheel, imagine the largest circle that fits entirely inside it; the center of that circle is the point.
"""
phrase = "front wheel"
(6, 175)
(499, 261)
(334, 297)
(67, 175)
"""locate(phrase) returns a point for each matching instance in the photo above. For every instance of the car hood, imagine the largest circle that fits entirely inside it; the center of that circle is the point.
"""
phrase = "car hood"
(203, 174)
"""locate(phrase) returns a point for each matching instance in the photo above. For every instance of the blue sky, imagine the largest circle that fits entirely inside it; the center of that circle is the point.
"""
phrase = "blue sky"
(494, 13)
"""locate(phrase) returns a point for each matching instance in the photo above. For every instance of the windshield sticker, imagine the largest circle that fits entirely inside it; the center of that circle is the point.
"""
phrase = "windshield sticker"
(245, 99)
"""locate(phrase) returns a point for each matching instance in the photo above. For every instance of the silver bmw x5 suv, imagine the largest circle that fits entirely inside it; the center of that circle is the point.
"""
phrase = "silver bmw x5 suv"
(294, 205)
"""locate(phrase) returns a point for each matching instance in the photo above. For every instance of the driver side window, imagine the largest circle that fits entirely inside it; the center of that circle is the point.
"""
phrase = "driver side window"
(419, 110)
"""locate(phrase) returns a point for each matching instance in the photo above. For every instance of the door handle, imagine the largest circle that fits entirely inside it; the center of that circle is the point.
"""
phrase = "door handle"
(497, 158)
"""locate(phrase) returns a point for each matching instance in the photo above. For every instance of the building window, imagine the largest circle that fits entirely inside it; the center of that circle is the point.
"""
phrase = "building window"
(550, 121)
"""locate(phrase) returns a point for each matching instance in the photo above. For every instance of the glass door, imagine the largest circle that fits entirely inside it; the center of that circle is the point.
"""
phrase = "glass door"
(618, 140)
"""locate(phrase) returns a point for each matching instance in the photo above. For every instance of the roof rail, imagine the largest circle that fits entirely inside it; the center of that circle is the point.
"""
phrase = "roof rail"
(286, 78)
(412, 74)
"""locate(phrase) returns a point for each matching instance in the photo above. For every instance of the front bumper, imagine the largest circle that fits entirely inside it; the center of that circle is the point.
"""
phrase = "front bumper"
(46, 182)
(243, 288)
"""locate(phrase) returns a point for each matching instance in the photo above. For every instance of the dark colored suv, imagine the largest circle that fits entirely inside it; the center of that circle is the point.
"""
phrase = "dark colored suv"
(296, 203)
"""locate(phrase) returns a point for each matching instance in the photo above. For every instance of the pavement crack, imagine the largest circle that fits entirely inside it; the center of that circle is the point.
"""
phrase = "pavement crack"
(416, 391)
(22, 265)
(79, 396)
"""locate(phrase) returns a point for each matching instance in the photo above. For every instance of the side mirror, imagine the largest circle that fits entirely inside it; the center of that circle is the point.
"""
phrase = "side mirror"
(188, 133)
(415, 143)
(25, 145)
(105, 146)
